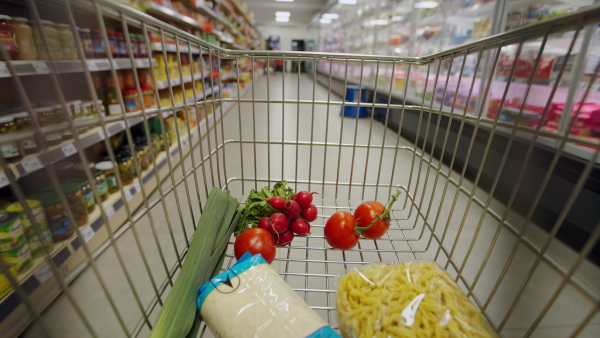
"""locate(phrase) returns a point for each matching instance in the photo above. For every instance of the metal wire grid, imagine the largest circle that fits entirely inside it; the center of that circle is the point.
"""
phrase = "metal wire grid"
(418, 233)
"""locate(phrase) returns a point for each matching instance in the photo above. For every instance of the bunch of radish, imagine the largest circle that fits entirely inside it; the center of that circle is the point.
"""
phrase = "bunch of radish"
(293, 217)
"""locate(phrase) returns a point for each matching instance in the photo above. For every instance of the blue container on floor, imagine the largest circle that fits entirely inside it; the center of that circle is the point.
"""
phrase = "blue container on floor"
(352, 94)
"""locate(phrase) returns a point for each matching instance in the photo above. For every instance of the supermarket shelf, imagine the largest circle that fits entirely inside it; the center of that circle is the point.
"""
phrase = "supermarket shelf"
(208, 11)
(243, 13)
(170, 47)
(35, 162)
(24, 68)
(157, 10)
(229, 76)
(68, 256)
(177, 81)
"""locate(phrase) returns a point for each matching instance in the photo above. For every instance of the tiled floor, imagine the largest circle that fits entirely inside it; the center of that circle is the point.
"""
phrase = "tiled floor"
(312, 153)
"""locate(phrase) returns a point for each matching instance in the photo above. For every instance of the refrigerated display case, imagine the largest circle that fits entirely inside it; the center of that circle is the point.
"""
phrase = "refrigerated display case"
(541, 89)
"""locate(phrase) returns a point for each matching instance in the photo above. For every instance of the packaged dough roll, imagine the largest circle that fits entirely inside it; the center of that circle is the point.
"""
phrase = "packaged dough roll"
(412, 299)
(251, 300)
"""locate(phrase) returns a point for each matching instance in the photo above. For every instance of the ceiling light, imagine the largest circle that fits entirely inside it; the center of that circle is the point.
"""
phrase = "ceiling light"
(325, 20)
(427, 4)
(378, 22)
(282, 18)
(332, 16)
(285, 0)
(282, 14)
(347, 2)
(397, 18)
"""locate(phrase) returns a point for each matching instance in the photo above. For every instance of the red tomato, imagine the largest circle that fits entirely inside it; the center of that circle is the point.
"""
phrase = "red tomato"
(257, 241)
(367, 213)
(339, 231)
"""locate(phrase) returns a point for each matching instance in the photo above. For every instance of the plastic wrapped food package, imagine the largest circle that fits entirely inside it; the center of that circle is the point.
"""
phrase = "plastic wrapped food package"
(413, 299)
(260, 303)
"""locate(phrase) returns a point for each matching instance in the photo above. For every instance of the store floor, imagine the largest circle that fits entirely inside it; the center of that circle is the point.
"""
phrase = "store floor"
(312, 153)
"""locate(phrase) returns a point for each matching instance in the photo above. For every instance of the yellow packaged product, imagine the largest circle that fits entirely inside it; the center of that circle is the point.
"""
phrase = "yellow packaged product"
(5, 286)
(19, 258)
(11, 231)
(36, 243)
(412, 299)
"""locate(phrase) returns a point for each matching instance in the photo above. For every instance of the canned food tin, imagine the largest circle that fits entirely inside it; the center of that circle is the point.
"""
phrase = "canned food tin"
(11, 231)
(36, 242)
(19, 258)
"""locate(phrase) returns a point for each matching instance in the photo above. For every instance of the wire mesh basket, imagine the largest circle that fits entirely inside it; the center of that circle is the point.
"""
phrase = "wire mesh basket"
(483, 192)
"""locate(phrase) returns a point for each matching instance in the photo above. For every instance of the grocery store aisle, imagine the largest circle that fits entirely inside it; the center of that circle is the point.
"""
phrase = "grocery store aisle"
(304, 146)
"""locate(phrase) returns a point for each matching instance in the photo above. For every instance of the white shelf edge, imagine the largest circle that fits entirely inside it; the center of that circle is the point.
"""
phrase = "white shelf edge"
(27, 68)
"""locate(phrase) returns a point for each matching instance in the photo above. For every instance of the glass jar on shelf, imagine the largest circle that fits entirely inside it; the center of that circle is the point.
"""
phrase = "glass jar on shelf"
(60, 115)
(113, 43)
(126, 173)
(122, 45)
(88, 196)
(143, 155)
(101, 185)
(58, 222)
(67, 42)
(142, 46)
(85, 37)
(28, 146)
(72, 190)
(47, 118)
(98, 44)
(24, 39)
(9, 150)
(135, 48)
(158, 142)
(7, 33)
(148, 97)
(107, 169)
(131, 99)
(53, 39)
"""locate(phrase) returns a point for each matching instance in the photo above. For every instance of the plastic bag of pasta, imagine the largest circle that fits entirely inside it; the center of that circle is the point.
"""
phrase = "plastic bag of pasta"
(413, 299)
(252, 300)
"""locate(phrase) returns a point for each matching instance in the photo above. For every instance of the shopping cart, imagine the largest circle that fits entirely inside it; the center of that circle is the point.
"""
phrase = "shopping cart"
(462, 205)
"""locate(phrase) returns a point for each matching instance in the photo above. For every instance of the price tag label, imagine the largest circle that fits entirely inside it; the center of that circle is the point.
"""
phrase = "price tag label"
(43, 273)
(87, 233)
(41, 67)
(3, 179)
(4, 71)
(92, 66)
(68, 149)
(32, 164)
(136, 185)
(128, 195)
(184, 143)
(110, 211)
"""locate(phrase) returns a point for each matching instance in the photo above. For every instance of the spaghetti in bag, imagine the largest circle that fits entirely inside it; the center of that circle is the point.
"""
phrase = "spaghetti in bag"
(414, 299)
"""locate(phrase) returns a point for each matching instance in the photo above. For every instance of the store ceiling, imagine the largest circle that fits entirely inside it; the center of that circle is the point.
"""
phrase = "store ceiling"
(302, 11)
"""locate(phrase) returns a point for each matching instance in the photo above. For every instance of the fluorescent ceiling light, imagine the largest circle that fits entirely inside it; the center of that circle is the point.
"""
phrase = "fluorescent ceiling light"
(285, 0)
(332, 16)
(378, 22)
(324, 20)
(347, 2)
(397, 18)
(282, 18)
(282, 14)
(427, 4)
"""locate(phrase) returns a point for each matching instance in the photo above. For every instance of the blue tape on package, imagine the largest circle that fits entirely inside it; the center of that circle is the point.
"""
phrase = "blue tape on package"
(324, 332)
